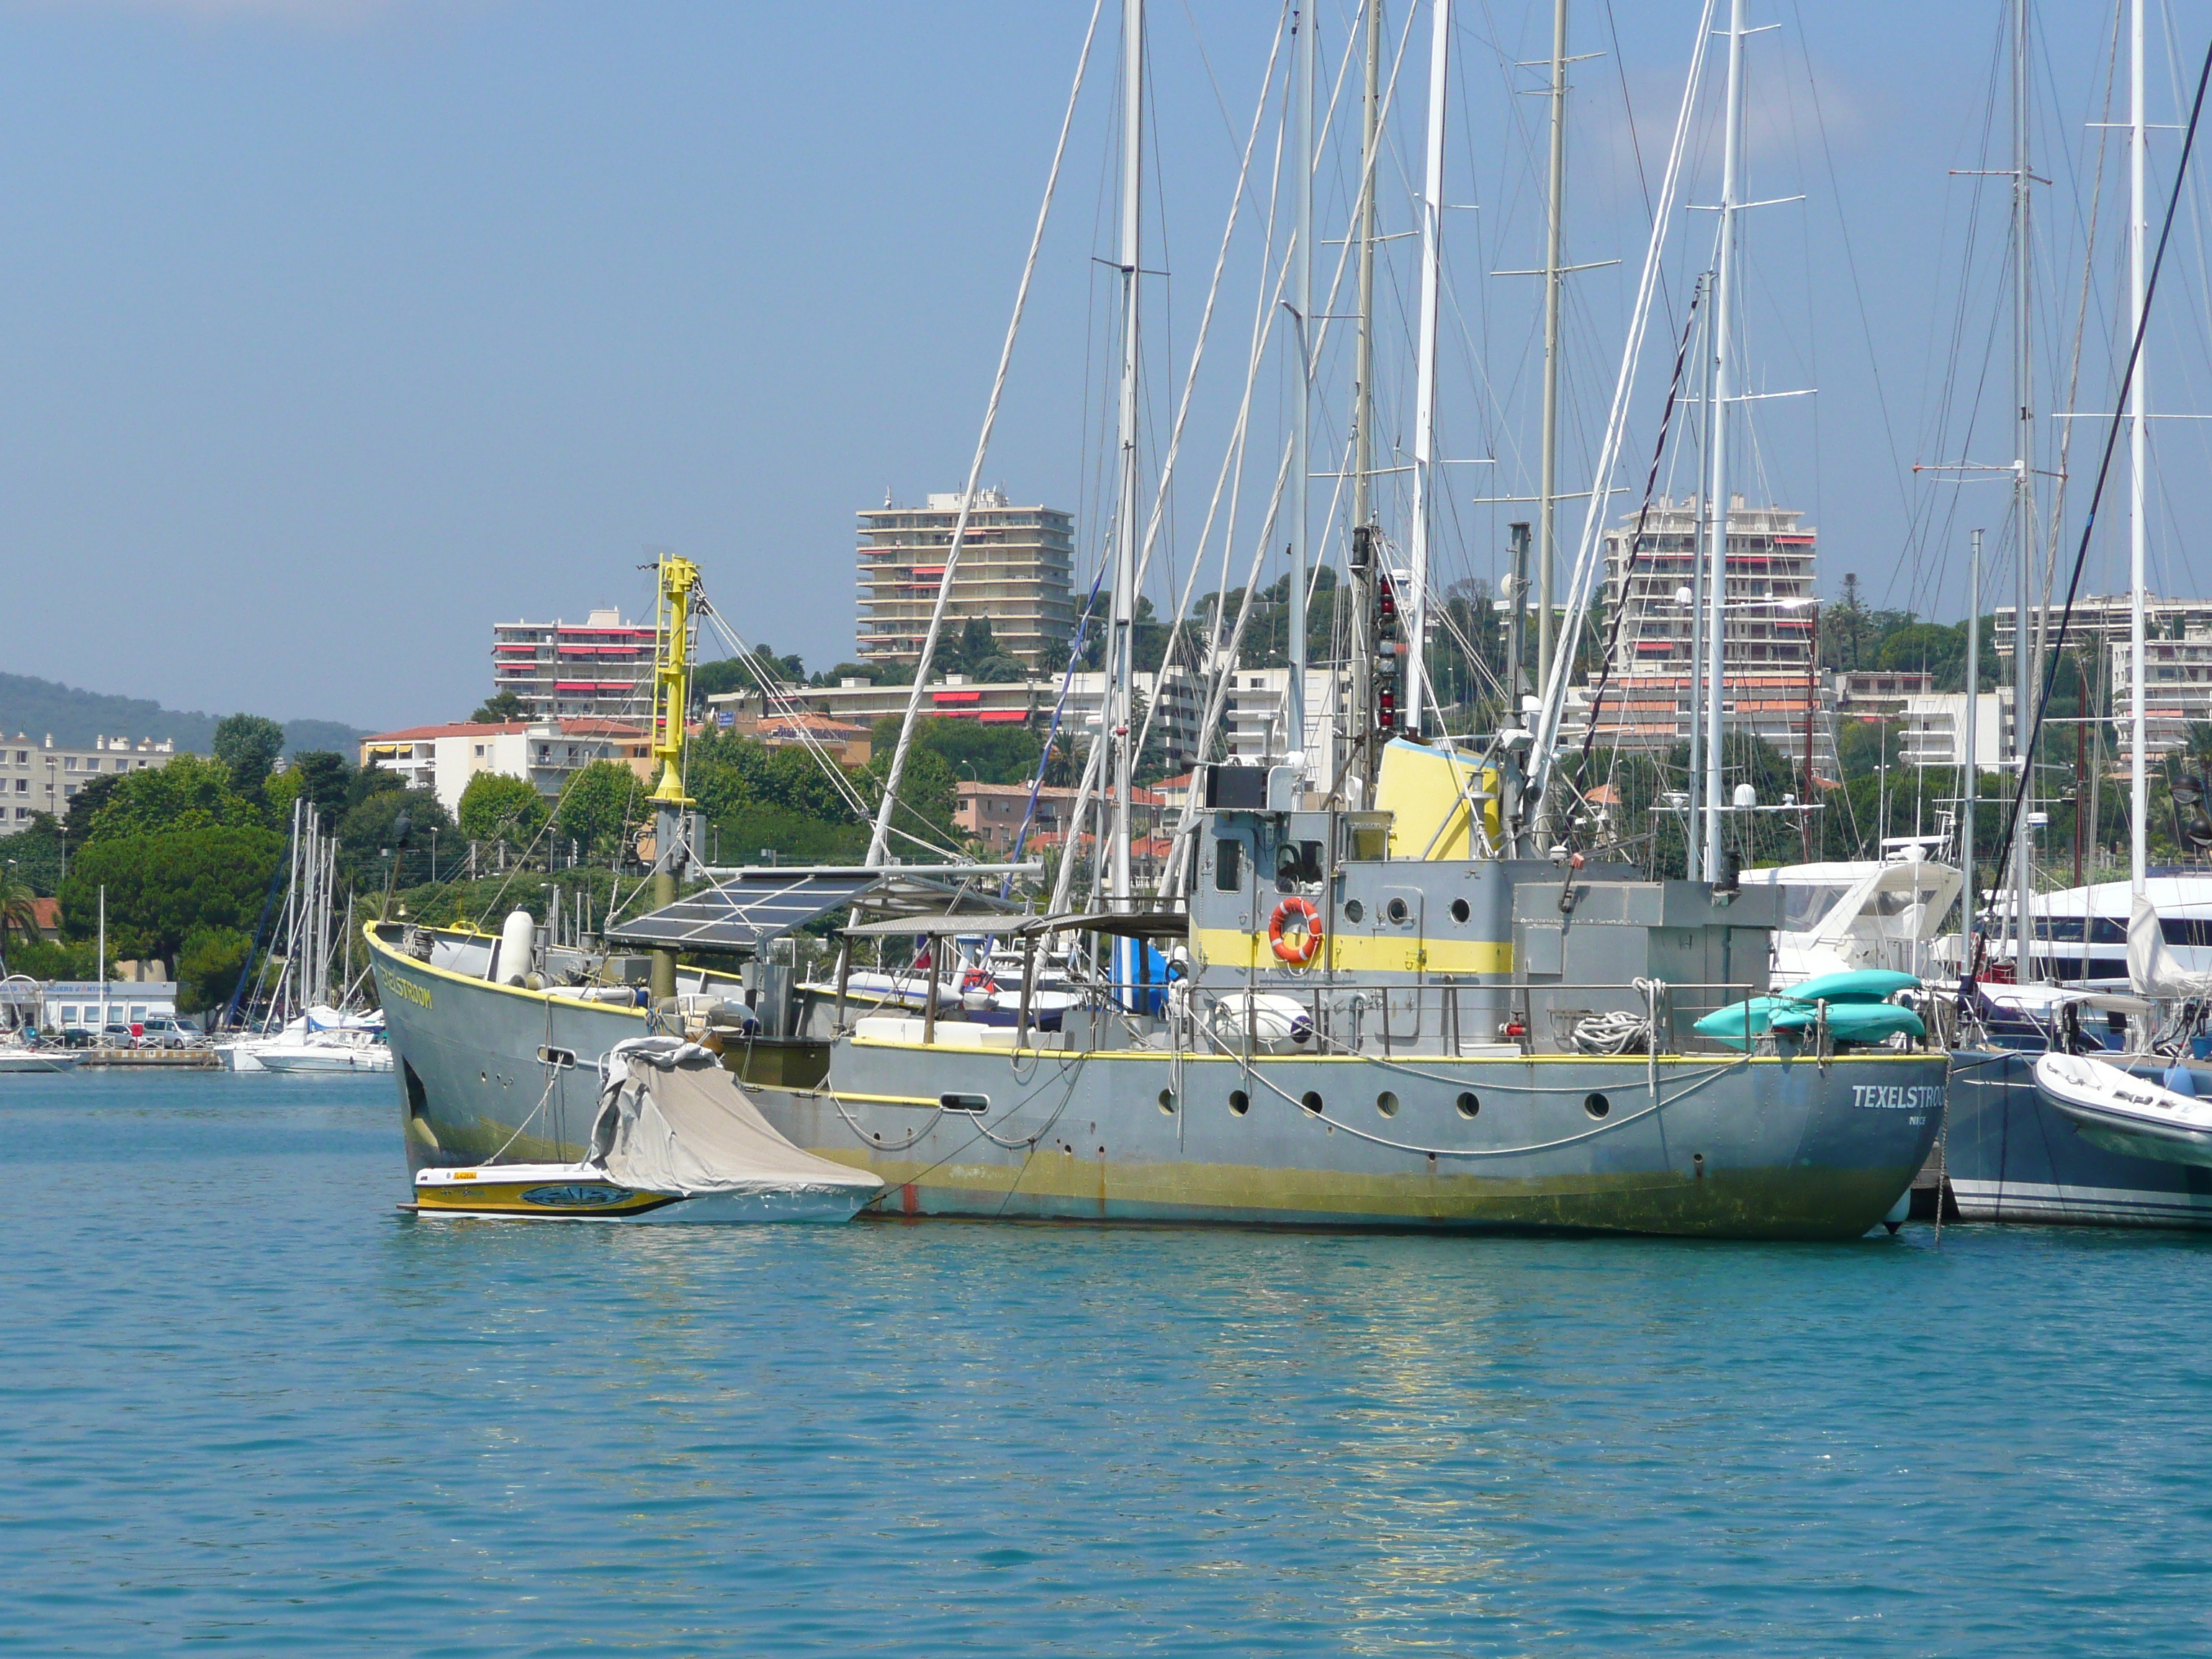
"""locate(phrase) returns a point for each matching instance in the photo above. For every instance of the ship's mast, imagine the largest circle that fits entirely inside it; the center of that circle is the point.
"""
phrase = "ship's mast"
(2023, 486)
(2138, 463)
(1302, 396)
(1362, 727)
(1116, 726)
(1970, 787)
(1425, 370)
(1724, 392)
(1546, 527)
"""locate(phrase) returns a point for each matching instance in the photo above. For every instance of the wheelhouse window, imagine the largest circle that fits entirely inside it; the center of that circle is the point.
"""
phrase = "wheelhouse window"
(1228, 865)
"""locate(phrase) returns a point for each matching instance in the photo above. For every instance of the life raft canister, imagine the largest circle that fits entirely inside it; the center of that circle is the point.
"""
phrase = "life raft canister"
(1303, 943)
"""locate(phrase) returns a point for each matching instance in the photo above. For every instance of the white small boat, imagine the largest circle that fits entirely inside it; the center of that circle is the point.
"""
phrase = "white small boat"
(2122, 1113)
(15, 1057)
(326, 1054)
(677, 1139)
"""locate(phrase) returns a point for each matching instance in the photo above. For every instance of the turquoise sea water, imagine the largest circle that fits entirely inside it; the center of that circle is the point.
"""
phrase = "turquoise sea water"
(244, 1402)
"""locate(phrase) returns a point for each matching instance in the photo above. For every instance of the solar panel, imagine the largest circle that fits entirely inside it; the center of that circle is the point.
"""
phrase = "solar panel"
(743, 912)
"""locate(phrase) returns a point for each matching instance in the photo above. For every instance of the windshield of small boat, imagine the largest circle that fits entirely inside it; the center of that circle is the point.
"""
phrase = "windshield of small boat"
(1804, 907)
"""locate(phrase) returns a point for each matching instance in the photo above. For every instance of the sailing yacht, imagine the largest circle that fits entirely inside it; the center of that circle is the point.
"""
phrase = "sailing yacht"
(2032, 1135)
(1405, 1005)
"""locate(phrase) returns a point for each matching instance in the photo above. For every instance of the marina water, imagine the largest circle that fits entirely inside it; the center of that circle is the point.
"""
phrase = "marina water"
(245, 1402)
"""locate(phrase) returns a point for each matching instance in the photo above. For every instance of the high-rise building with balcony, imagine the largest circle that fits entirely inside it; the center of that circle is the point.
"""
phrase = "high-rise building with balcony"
(599, 668)
(1014, 566)
(1770, 679)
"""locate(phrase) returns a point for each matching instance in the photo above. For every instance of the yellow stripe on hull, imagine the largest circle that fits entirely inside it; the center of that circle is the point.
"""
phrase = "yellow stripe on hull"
(1353, 953)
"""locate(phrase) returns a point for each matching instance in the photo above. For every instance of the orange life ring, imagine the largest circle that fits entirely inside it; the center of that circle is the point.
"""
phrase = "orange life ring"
(1300, 949)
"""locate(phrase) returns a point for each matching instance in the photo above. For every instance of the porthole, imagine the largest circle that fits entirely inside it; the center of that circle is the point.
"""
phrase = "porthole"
(1387, 1103)
(1354, 910)
(1468, 1105)
(977, 1104)
(1460, 912)
(1396, 911)
(1312, 1100)
(1167, 1102)
(1597, 1105)
(1239, 1101)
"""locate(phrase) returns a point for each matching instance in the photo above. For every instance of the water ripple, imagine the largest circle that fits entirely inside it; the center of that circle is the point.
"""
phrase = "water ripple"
(245, 1401)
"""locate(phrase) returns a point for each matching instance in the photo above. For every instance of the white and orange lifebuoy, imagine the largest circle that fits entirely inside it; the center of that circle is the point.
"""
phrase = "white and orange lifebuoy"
(1301, 942)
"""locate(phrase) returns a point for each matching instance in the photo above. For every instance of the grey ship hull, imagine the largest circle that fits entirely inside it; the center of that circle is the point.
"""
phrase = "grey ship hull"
(1725, 1147)
(2010, 1157)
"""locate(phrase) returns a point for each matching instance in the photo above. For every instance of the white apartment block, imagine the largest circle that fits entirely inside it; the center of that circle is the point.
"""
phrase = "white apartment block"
(1014, 569)
(41, 777)
(2177, 662)
(443, 758)
(599, 668)
(1770, 684)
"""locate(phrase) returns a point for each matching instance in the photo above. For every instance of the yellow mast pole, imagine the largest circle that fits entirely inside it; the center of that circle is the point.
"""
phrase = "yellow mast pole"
(671, 686)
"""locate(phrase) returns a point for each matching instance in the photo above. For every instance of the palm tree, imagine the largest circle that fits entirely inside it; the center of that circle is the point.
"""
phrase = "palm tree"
(19, 909)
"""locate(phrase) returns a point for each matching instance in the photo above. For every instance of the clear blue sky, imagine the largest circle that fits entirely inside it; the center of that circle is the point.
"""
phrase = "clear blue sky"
(332, 330)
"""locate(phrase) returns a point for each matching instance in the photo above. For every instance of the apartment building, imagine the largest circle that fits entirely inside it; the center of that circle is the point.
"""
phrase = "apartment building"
(599, 668)
(1014, 569)
(443, 758)
(2177, 662)
(1771, 685)
(1180, 693)
(44, 777)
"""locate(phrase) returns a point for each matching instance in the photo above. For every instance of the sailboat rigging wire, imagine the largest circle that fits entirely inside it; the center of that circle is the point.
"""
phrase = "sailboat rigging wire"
(1578, 585)
(1642, 513)
(2022, 925)
(878, 840)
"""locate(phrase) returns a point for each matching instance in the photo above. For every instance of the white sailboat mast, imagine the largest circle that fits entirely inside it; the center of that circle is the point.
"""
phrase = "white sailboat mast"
(1118, 723)
(1724, 392)
(1547, 558)
(1301, 396)
(1425, 382)
(2023, 386)
(2138, 462)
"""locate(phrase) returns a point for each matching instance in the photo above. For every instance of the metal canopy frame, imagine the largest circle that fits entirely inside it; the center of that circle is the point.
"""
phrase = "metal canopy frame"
(750, 906)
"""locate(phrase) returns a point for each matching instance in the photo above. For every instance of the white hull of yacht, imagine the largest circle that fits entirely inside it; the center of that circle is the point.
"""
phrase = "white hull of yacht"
(2124, 1113)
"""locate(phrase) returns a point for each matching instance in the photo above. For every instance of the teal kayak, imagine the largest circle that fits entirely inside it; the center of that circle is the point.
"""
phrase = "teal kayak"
(1856, 985)
(1857, 1010)
(1728, 1024)
(1853, 1022)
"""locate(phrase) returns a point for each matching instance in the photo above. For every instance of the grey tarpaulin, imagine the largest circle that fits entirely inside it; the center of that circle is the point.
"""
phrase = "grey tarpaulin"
(672, 1120)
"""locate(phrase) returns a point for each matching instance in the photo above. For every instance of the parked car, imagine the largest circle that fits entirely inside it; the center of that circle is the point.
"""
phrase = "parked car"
(160, 1032)
(116, 1035)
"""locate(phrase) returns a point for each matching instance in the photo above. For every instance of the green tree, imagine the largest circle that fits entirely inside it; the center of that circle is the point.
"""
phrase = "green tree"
(369, 830)
(163, 886)
(501, 706)
(209, 964)
(327, 779)
(598, 809)
(33, 855)
(190, 793)
(728, 674)
(86, 805)
(496, 807)
(19, 910)
(248, 745)
(1928, 648)
(979, 643)
(372, 780)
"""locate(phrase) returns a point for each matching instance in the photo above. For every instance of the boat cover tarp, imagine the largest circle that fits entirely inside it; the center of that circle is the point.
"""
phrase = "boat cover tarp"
(672, 1120)
(2152, 970)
